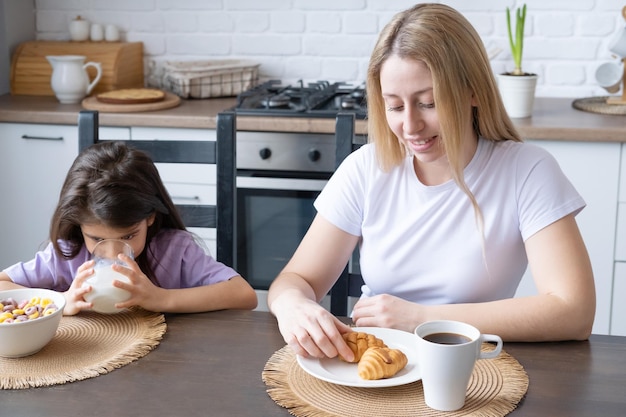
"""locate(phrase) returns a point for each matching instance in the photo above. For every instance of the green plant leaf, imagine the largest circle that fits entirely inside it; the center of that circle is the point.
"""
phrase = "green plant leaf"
(516, 42)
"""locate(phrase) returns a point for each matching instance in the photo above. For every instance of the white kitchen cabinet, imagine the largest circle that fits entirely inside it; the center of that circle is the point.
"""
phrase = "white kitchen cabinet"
(620, 235)
(186, 183)
(622, 182)
(34, 160)
(618, 316)
(594, 169)
(620, 244)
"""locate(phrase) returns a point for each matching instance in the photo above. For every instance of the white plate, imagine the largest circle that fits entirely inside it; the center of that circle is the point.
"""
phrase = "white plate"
(339, 372)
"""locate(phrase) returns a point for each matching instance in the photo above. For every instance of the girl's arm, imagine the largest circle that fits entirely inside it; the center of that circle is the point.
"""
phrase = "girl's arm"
(74, 296)
(563, 309)
(234, 293)
(6, 283)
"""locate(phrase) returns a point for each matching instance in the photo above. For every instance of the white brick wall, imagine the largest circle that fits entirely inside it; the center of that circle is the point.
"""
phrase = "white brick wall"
(331, 39)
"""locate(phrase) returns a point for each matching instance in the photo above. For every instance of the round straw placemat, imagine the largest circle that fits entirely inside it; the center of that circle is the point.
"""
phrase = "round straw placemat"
(496, 387)
(598, 105)
(85, 346)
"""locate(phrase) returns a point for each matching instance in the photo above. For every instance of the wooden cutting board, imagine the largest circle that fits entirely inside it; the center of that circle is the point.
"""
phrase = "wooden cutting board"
(92, 103)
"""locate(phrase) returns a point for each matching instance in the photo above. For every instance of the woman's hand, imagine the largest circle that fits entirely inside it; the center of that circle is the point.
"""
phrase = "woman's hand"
(310, 330)
(75, 295)
(387, 311)
(306, 326)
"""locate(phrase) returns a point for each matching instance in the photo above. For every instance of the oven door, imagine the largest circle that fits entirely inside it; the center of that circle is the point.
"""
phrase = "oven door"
(273, 214)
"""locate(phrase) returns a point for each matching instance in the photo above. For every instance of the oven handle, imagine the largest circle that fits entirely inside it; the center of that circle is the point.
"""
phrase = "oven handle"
(296, 184)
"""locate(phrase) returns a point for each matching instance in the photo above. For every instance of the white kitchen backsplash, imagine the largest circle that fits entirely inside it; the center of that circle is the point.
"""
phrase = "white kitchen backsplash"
(331, 39)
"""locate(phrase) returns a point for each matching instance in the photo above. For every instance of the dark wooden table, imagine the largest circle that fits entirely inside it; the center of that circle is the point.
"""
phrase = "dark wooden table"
(210, 365)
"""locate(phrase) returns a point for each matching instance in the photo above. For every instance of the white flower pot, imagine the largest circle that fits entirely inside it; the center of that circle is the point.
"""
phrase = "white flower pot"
(518, 94)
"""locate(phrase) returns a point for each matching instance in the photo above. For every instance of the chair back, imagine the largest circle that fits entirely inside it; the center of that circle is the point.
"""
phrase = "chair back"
(349, 282)
(220, 152)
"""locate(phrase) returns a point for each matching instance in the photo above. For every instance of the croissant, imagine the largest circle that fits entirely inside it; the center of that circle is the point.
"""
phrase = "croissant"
(359, 342)
(381, 362)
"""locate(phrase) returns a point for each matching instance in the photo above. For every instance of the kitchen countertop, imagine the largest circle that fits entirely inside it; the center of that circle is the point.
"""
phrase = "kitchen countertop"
(553, 118)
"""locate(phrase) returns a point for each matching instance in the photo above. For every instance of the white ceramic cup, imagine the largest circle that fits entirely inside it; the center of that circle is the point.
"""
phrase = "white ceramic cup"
(618, 44)
(103, 294)
(447, 367)
(609, 76)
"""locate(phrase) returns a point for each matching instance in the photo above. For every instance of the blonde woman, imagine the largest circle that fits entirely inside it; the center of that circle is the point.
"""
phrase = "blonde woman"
(447, 204)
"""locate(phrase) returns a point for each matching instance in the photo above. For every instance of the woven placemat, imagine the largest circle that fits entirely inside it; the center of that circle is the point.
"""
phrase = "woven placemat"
(496, 387)
(598, 105)
(85, 346)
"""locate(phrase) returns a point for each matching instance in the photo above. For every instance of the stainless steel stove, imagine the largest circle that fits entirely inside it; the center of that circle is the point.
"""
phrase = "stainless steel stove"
(279, 174)
(317, 99)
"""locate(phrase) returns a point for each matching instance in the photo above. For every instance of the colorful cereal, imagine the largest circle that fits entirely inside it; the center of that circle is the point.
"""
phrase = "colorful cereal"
(15, 312)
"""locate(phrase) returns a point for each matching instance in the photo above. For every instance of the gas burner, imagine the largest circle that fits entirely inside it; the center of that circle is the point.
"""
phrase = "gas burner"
(279, 100)
(316, 99)
(348, 102)
(358, 93)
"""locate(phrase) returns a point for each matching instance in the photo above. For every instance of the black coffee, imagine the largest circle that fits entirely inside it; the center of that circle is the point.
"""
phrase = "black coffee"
(447, 338)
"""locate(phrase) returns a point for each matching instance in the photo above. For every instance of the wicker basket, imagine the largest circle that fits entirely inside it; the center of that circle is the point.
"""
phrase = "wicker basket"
(206, 79)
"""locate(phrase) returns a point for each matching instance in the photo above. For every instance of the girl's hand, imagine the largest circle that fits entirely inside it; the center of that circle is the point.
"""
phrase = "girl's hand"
(310, 330)
(387, 311)
(75, 295)
(143, 292)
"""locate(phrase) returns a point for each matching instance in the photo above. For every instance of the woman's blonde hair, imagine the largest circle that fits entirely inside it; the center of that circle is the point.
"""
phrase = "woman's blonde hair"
(450, 47)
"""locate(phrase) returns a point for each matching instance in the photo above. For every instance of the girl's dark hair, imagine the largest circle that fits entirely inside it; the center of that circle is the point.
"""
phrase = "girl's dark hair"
(115, 185)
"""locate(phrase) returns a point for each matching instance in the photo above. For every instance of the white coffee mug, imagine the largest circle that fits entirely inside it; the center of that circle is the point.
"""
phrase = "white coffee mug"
(447, 352)
(618, 44)
(609, 76)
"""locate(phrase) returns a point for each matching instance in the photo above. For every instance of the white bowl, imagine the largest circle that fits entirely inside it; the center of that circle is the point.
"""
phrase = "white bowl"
(25, 338)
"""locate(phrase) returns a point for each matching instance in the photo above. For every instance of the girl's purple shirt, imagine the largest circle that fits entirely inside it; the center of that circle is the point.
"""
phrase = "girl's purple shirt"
(177, 260)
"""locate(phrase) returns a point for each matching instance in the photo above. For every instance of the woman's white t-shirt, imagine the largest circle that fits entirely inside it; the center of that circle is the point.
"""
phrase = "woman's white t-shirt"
(422, 243)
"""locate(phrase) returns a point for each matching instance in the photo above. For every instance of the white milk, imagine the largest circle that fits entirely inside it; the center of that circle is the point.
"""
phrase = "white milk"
(103, 294)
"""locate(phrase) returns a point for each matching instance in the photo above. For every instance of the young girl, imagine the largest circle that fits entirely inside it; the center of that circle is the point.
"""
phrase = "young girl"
(448, 207)
(115, 192)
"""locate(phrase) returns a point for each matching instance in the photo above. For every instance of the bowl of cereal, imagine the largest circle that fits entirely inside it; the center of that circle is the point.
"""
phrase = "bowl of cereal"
(29, 319)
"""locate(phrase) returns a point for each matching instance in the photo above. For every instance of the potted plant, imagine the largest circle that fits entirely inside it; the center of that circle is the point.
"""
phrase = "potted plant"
(517, 87)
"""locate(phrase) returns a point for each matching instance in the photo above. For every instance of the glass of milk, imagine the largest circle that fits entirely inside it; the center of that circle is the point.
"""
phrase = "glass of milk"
(103, 294)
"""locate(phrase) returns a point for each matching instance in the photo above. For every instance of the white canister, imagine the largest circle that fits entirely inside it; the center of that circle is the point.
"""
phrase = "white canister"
(79, 29)
(111, 33)
(97, 32)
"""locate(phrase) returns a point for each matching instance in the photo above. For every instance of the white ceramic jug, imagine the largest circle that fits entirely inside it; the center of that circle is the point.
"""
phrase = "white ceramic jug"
(70, 81)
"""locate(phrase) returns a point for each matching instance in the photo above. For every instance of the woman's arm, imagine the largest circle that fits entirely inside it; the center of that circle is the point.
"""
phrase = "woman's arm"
(320, 258)
(294, 295)
(563, 309)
